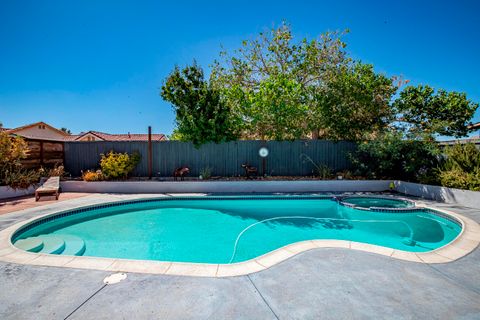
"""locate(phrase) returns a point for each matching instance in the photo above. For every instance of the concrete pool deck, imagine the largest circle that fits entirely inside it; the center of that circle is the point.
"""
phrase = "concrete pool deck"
(320, 283)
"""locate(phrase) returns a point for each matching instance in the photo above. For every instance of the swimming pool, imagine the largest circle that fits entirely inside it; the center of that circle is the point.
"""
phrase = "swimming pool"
(372, 202)
(225, 230)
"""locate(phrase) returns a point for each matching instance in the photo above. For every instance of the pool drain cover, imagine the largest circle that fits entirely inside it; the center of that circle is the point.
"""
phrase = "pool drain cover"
(115, 278)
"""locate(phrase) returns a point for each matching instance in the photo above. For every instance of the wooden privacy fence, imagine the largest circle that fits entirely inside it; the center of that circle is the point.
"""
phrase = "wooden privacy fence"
(43, 153)
(225, 159)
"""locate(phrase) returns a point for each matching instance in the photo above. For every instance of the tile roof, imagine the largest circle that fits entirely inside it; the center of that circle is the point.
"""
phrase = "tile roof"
(120, 137)
(14, 130)
(101, 135)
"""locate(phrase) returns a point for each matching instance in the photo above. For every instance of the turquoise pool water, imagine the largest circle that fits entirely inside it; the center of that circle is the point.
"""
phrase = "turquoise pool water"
(236, 229)
(368, 202)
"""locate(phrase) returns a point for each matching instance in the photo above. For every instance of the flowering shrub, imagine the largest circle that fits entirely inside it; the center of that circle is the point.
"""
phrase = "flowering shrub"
(118, 165)
(92, 175)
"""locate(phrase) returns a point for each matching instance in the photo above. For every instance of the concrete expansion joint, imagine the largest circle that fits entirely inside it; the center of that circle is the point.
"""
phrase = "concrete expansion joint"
(263, 298)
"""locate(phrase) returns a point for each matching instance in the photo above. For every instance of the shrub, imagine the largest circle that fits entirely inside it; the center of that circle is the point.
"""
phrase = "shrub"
(56, 171)
(461, 168)
(206, 173)
(12, 151)
(21, 178)
(92, 175)
(118, 165)
(320, 170)
(392, 157)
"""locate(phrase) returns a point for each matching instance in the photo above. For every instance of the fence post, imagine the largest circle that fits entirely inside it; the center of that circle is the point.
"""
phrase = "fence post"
(150, 159)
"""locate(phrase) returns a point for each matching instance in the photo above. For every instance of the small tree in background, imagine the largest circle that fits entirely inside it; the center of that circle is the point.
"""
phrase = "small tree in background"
(201, 114)
(67, 131)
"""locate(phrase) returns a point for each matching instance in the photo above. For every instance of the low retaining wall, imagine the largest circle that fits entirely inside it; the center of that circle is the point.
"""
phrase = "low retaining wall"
(450, 195)
(225, 186)
(7, 192)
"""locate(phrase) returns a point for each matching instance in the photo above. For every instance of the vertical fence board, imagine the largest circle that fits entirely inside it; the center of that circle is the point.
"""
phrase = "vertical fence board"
(225, 159)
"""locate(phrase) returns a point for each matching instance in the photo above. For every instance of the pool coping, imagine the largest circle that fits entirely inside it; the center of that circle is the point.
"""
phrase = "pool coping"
(467, 240)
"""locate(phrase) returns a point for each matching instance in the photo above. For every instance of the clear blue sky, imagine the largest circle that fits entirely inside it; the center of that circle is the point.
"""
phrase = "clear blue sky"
(98, 65)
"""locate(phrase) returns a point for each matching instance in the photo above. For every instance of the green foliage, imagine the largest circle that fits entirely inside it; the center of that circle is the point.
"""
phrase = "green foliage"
(461, 168)
(270, 81)
(393, 157)
(277, 87)
(20, 178)
(441, 112)
(206, 173)
(276, 110)
(355, 104)
(12, 151)
(118, 165)
(320, 170)
(176, 136)
(201, 114)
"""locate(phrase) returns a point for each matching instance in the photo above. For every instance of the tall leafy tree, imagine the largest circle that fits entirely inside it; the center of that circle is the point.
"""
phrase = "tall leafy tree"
(356, 103)
(422, 109)
(270, 81)
(285, 89)
(201, 114)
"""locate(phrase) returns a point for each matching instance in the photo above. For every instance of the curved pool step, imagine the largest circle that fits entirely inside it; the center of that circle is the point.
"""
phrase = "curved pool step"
(74, 246)
(52, 244)
(32, 244)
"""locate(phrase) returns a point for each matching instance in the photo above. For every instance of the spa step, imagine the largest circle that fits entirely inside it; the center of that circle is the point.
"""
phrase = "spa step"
(74, 246)
(52, 244)
(33, 244)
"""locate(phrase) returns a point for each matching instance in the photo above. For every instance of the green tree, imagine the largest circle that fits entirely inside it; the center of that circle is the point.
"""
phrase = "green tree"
(201, 114)
(67, 131)
(422, 109)
(285, 89)
(355, 104)
(176, 136)
(270, 81)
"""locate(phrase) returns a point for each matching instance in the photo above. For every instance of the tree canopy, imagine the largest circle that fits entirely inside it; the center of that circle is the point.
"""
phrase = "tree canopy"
(201, 114)
(277, 87)
(422, 109)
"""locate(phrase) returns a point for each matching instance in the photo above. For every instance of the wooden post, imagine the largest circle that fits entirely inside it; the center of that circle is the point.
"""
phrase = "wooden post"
(150, 158)
(41, 153)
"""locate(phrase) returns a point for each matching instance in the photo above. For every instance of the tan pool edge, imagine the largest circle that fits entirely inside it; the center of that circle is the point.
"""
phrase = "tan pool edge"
(466, 242)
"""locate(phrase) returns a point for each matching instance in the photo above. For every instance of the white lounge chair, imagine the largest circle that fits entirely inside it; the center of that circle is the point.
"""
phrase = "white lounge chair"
(49, 187)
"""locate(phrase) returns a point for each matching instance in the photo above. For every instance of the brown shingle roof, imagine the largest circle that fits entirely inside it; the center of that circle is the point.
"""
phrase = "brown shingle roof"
(121, 137)
(14, 130)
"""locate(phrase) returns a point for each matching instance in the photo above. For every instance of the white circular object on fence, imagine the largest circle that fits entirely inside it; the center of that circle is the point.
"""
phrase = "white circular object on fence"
(263, 152)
